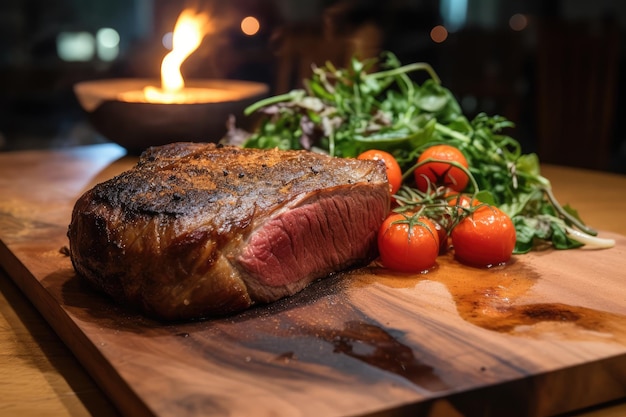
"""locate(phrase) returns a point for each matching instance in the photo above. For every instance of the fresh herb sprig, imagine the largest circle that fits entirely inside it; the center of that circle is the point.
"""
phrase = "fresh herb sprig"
(346, 111)
(378, 104)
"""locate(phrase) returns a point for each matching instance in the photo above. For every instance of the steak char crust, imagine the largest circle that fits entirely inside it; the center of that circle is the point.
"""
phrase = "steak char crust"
(200, 230)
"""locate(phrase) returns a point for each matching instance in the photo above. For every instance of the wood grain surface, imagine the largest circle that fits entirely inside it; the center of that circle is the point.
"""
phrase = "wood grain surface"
(543, 335)
(40, 376)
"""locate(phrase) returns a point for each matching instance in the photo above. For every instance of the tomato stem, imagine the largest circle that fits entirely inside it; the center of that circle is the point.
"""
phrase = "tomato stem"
(467, 172)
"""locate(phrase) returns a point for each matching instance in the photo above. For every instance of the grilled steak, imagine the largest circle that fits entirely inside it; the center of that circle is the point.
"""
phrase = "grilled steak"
(199, 230)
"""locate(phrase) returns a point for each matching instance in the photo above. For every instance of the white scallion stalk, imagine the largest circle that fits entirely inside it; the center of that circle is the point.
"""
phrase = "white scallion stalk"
(596, 242)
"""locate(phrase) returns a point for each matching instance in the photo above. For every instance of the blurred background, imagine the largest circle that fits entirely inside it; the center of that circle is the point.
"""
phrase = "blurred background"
(555, 68)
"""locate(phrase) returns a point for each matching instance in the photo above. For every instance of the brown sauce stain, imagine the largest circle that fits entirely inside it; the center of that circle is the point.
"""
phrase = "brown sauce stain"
(492, 298)
(332, 339)
(373, 345)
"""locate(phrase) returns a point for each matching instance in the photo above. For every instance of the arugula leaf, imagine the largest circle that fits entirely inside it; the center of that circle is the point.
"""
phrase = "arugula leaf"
(346, 111)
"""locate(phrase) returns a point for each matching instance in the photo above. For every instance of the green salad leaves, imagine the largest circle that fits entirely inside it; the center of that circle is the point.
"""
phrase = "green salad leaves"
(377, 104)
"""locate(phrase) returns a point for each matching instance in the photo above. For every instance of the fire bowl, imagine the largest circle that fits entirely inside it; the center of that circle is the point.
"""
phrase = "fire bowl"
(137, 125)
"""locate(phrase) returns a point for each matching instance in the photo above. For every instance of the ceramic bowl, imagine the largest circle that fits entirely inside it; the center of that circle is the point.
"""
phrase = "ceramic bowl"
(138, 125)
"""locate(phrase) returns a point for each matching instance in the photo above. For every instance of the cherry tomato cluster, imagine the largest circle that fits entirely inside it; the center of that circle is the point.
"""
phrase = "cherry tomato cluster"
(433, 215)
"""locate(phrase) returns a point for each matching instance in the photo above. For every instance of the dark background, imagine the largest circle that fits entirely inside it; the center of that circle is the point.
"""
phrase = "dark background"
(560, 78)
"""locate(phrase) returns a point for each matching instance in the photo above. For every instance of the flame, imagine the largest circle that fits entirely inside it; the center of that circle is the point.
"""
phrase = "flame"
(189, 31)
(191, 27)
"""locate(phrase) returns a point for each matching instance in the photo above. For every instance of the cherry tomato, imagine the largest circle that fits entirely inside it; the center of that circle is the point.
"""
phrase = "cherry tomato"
(408, 244)
(442, 234)
(441, 173)
(486, 237)
(394, 172)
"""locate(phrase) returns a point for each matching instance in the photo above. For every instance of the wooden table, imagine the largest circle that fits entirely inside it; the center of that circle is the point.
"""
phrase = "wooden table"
(39, 375)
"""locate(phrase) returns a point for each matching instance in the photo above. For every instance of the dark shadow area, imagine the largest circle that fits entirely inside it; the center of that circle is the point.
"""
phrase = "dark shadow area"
(555, 68)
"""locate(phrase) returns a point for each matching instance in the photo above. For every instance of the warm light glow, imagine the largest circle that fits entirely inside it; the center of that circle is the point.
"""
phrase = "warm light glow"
(188, 33)
(190, 29)
(518, 22)
(250, 25)
(438, 34)
(188, 95)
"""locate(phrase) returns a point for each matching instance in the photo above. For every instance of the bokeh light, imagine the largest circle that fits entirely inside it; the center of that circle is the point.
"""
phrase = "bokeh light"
(250, 25)
(518, 22)
(167, 40)
(107, 44)
(438, 34)
(75, 46)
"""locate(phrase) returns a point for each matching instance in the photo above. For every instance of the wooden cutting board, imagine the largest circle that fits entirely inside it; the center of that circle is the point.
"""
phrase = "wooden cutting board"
(543, 335)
